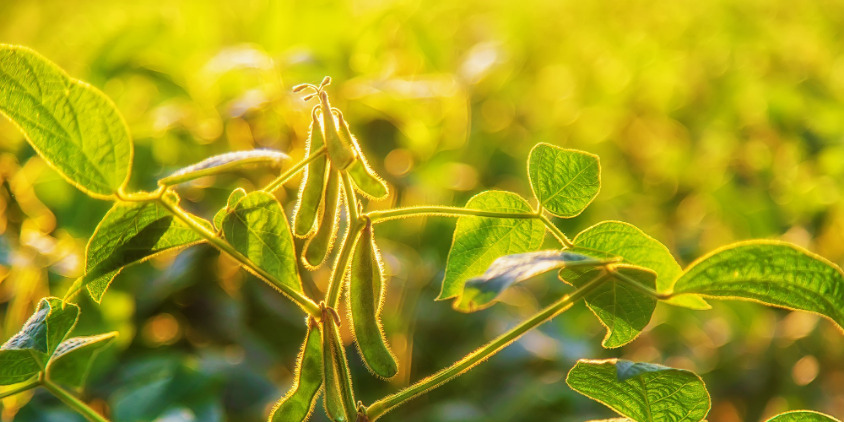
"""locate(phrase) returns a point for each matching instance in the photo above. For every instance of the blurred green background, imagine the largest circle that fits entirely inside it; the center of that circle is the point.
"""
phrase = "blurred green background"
(715, 121)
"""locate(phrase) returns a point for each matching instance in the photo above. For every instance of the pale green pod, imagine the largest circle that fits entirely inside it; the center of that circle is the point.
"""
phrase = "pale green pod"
(313, 183)
(298, 403)
(339, 398)
(341, 153)
(366, 292)
(318, 247)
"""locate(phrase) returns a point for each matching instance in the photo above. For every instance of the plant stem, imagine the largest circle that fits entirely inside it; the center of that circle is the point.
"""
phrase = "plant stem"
(303, 301)
(21, 389)
(284, 177)
(556, 232)
(336, 283)
(351, 198)
(380, 407)
(636, 285)
(72, 401)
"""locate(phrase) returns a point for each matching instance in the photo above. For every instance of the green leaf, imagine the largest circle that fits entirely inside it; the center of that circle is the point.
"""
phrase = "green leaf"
(298, 403)
(641, 391)
(481, 292)
(17, 365)
(257, 227)
(130, 233)
(770, 272)
(623, 309)
(71, 124)
(565, 181)
(234, 197)
(223, 163)
(625, 240)
(478, 241)
(70, 364)
(802, 416)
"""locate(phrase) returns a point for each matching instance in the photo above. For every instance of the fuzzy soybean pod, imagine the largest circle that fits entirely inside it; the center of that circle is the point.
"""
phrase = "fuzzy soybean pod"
(299, 402)
(366, 293)
(313, 183)
(319, 246)
(339, 405)
(341, 153)
(365, 179)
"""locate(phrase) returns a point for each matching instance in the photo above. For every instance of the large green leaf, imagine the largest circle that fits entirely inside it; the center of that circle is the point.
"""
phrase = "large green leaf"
(71, 124)
(565, 181)
(257, 227)
(802, 416)
(478, 241)
(298, 403)
(131, 233)
(641, 391)
(625, 240)
(622, 308)
(770, 272)
(70, 364)
(481, 292)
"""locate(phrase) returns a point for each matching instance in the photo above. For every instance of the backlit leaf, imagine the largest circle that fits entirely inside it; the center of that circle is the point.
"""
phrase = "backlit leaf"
(234, 197)
(802, 416)
(564, 181)
(257, 227)
(71, 124)
(481, 292)
(643, 392)
(478, 241)
(70, 364)
(131, 233)
(770, 272)
(625, 240)
(223, 163)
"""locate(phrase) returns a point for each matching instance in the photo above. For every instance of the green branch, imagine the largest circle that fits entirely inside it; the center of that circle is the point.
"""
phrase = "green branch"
(380, 407)
(636, 285)
(72, 401)
(287, 175)
(20, 389)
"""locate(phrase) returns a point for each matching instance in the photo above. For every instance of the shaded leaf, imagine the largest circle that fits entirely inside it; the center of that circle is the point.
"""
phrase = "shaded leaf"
(17, 365)
(130, 233)
(802, 416)
(481, 292)
(479, 241)
(623, 309)
(625, 240)
(223, 163)
(72, 360)
(641, 391)
(564, 181)
(298, 403)
(770, 272)
(71, 124)
(45, 328)
(257, 228)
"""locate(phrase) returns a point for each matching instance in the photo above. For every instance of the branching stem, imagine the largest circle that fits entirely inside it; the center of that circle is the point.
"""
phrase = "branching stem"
(287, 175)
(72, 401)
(636, 285)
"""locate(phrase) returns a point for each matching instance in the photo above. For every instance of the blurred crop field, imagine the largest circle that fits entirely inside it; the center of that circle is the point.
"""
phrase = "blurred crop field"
(715, 121)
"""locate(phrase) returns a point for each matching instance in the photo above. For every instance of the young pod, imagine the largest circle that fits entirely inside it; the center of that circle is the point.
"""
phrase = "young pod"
(313, 183)
(366, 293)
(342, 154)
(365, 179)
(338, 401)
(319, 246)
(298, 403)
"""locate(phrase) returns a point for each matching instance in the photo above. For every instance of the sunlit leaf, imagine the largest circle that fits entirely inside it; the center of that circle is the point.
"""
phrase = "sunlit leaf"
(564, 181)
(643, 392)
(131, 233)
(71, 124)
(625, 240)
(70, 364)
(479, 241)
(223, 163)
(298, 403)
(802, 416)
(770, 272)
(234, 197)
(623, 309)
(257, 227)
(481, 292)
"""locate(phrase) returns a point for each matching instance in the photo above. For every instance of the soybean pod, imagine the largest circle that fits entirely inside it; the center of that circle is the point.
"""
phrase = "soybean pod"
(366, 296)
(342, 154)
(319, 246)
(365, 179)
(298, 403)
(339, 401)
(313, 183)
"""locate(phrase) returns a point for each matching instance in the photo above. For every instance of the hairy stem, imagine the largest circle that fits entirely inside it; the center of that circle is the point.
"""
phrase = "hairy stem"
(636, 285)
(335, 285)
(20, 389)
(556, 232)
(380, 407)
(72, 401)
(287, 175)
(303, 301)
